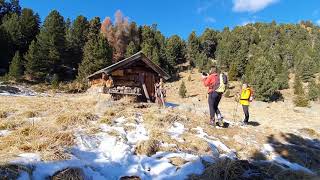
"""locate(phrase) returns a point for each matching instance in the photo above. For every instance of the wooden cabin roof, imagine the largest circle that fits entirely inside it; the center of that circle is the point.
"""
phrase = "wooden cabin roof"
(136, 57)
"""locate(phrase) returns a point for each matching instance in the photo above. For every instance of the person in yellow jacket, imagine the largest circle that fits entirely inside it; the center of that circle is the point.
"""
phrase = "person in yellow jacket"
(245, 101)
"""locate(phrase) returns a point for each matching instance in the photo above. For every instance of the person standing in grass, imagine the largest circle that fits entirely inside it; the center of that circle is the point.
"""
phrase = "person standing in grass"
(245, 99)
(212, 82)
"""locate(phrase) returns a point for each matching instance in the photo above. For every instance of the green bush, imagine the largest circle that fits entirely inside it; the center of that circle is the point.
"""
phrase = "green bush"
(313, 91)
(298, 86)
(55, 81)
(301, 101)
(182, 90)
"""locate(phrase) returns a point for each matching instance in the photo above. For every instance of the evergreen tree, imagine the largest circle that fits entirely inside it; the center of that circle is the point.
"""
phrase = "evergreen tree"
(35, 67)
(306, 69)
(76, 37)
(209, 42)
(263, 80)
(232, 74)
(51, 42)
(174, 52)
(131, 49)
(298, 86)
(313, 91)
(282, 79)
(97, 52)
(182, 90)
(16, 68)
(193, 48)
(30, 23)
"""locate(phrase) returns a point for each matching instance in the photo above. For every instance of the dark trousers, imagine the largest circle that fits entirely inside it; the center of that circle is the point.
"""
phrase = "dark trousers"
(213, 101)
(246, 113)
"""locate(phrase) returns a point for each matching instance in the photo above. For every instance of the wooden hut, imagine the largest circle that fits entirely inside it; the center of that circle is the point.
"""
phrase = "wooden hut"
(133, 76)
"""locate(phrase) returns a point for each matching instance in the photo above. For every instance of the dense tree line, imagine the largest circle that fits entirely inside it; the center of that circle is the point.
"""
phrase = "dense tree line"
(60, 49)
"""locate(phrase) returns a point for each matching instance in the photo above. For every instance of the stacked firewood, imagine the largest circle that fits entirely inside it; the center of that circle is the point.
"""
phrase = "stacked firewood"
(124, 90)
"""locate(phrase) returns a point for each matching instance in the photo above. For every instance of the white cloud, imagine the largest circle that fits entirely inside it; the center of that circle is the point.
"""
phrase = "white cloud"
(209, 19)
(246, 22)
(251, 5)
(318, 22)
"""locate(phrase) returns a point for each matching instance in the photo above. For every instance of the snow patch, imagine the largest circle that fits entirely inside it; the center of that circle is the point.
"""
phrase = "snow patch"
(4, 133)
(102, 156)
(25, 158)
(215, 144)
(176, 130)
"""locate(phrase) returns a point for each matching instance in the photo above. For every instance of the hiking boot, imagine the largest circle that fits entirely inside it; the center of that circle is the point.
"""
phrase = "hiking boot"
(244, 124)
(220, 122)
(212, 123)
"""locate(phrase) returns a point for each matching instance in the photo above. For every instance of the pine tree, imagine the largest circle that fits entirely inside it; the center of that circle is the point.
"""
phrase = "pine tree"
(282, 79)
(51, 42)
(263, 80)
(16, 68)
(209, 42)
(131, 49)
(97, 52)
(36, 66)
(298, 86)
(76, 37)
(193, 48)
(306, 69)
(174, 49)
(300, 100)
(313, 91)
(55, 81)
(182, 90)
(30, 22)
(232, 74)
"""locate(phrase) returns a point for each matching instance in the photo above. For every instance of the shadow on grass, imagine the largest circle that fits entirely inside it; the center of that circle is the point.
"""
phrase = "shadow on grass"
(297, 154)
(253, 123)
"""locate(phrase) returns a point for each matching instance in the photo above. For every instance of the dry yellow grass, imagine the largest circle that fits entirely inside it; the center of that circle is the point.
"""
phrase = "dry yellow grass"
(54, 133)
(148, 147)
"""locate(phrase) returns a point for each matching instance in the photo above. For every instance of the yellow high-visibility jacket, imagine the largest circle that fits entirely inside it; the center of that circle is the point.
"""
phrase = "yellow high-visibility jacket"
(245, 95)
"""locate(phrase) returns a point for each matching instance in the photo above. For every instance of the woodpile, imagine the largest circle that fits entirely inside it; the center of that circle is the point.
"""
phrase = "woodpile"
(125, 90)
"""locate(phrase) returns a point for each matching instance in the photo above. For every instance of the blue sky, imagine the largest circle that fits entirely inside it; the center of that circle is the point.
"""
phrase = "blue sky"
(183, 16)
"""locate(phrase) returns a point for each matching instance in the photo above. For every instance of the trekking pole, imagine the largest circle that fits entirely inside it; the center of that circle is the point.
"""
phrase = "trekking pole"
(235, 111)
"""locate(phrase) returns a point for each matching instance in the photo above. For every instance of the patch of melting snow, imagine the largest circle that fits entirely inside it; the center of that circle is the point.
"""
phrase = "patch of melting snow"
(4, 132)
(25, 158)
(215, 144)
(167, 144)
(176, 130)
(102, 156)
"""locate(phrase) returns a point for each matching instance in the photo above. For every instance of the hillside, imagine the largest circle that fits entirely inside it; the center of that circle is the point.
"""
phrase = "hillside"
(90, 136)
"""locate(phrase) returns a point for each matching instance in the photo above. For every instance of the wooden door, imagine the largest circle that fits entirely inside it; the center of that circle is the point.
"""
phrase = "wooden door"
(150, 81)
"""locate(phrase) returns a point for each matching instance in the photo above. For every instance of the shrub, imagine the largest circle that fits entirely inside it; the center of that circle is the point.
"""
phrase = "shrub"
(16, 69)
(182, 90)
(55, 81)
(232, 74)
(298, 86)
(301, 101)
(313, 91)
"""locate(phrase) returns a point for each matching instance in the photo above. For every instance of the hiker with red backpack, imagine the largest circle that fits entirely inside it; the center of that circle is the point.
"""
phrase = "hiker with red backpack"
(246, 97)
(212, 81)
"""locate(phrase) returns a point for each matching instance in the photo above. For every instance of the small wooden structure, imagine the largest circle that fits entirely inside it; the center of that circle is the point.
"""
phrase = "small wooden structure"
(133, 76)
